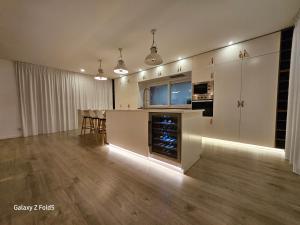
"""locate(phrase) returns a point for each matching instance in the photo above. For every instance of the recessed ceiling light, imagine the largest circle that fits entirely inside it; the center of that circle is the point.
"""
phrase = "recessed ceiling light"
(82, 70)
(179, 58)
(230, 42)
(140, 70)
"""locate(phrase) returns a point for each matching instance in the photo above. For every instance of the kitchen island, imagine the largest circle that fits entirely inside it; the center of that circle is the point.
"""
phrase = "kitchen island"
(138, 130)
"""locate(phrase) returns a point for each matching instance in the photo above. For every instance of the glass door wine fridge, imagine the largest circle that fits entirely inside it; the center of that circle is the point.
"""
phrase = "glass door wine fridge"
(165, 135)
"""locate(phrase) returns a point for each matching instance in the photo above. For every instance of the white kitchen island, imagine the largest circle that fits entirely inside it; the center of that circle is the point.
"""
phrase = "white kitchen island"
(128, 129)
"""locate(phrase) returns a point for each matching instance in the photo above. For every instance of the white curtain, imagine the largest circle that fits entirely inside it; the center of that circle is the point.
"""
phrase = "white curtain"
(50, 98)
(292, 148)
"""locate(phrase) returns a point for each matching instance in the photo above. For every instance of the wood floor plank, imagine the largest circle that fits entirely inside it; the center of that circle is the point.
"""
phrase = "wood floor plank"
(90, 184)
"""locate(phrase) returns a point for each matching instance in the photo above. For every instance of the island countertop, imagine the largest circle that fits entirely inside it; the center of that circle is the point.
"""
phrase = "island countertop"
(169, 110)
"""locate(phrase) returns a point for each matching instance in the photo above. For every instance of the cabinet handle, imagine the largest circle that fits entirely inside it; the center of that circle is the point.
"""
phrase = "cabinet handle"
(245, 53)
(241, 56)
(212, 75)
(242, 103)
(212, 60)
(238, 104)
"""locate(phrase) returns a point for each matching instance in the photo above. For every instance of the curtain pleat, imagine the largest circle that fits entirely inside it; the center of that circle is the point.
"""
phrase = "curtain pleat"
(50, 98)
(292, 148)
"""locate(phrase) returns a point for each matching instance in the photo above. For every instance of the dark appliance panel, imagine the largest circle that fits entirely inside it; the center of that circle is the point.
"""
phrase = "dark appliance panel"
(165, 135)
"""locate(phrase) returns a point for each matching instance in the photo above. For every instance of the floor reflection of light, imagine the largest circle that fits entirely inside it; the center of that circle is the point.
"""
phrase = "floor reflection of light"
(243, 146)
(149, 161)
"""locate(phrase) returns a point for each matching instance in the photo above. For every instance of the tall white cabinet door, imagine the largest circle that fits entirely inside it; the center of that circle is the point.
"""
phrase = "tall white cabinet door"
(227, 88)
(262, 46)
(228, 54)
(202, 67)
(259, 93)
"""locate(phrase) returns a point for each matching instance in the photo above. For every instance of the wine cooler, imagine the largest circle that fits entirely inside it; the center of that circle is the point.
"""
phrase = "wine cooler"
(165, 135)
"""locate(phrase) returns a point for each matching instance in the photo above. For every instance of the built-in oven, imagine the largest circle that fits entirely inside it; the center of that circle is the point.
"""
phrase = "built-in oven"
(203, 97)
(203, 91)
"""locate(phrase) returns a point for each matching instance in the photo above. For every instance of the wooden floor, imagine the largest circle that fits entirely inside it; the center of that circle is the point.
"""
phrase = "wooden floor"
(89, 184)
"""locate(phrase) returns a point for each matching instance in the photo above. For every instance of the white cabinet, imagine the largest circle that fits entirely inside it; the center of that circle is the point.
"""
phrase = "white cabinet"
(202, 67)
(227, 86)
(259, 94)
(126, 92)
(245, 90)
(261, 46)
(228, 54)
(182, 66)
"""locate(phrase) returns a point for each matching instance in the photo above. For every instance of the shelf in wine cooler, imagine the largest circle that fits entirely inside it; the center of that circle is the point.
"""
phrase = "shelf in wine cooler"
(164, 123)
(166, 152)
(164, 141)
(161, 131)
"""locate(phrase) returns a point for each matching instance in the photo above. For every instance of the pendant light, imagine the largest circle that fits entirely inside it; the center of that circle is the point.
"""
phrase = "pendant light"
(100, 73)
(121, 67)
(153, 58)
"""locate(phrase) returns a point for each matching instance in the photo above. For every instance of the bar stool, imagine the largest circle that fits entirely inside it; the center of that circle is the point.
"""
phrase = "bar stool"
(84, 125)
(102, 127)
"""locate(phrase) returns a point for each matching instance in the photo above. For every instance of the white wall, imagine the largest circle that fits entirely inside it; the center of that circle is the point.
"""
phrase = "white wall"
(10, 121)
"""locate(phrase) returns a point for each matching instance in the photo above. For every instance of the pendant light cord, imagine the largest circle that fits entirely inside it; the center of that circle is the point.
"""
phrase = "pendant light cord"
(120, 49)
(153, 40)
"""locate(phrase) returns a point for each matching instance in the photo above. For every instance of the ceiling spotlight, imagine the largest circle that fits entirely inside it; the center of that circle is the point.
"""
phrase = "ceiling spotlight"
(121, 67)
(179, 58)
(153, 58)
(100, 72)
(230, 42)
(140, 70)
(82, 70)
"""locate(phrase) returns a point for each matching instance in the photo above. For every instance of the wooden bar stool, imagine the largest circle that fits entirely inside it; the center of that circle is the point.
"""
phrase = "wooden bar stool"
(87, 122)
(102, 127)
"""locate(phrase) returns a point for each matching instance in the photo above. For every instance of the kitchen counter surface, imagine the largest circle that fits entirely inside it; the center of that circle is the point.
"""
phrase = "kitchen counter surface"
(159, 110)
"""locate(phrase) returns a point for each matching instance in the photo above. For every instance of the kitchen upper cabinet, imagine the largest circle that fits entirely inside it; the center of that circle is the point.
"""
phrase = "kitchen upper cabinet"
(259, 93)
(126, 91)
(228, 54)
(261, 46)
(203, 67)
(119, 94)
(146, 75)
(227, 90)
(182, 66)
(203, 74)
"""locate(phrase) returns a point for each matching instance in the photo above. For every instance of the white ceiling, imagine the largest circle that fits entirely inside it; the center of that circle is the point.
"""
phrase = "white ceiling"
(73, 34)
